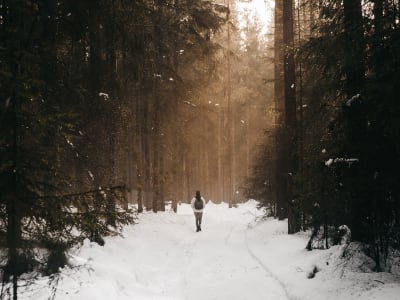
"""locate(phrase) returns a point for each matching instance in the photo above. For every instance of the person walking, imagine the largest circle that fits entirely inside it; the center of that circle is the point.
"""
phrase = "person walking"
(198, 203)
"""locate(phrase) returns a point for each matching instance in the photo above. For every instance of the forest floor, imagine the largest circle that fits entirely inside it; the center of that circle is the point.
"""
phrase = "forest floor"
(237, 255)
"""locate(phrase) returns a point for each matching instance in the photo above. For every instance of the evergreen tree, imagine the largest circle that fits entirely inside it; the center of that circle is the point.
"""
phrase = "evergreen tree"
(349, 154)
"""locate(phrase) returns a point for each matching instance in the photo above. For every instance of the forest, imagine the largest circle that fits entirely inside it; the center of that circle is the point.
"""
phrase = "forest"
(109, 103)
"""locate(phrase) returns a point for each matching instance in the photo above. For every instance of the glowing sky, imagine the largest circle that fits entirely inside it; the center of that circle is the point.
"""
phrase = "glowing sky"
(257, 13)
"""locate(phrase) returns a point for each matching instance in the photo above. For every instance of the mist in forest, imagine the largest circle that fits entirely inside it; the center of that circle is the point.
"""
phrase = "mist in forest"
(225, 119)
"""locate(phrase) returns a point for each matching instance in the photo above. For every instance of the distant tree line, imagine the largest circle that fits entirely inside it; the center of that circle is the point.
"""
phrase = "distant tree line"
(336, 159)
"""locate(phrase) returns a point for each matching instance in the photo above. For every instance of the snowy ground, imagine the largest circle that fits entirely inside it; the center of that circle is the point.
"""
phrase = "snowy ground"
(234, 257)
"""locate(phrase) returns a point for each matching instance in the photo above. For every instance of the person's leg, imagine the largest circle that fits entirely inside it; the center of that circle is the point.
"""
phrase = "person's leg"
(197, 221)
(200, 217)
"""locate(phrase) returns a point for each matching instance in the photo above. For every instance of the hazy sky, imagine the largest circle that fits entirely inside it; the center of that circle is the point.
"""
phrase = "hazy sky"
(258, 13)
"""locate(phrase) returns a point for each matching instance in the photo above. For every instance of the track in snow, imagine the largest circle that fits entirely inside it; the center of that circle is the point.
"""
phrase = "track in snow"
(163, 258)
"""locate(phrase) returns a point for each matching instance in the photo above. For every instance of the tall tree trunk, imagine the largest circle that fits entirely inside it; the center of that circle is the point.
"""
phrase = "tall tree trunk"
(13, 210)
(146, 137)
(281, 159)
(300, 129)
(156, 134)
(354, 68)
(290, 111)
(139, 141)
(230, 119)
(219, 149)
(354, 115)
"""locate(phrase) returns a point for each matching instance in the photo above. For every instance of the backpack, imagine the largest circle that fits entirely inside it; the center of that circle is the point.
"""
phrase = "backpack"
(198, 203)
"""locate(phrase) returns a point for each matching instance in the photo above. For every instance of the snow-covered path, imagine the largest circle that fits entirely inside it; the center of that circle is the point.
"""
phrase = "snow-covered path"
(220, 265)
(233, 257)
(170, 260)
(162, 257)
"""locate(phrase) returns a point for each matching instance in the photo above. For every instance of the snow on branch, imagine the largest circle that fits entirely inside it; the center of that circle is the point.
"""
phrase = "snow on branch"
(104, 95)
(350, 101)
(349, 161)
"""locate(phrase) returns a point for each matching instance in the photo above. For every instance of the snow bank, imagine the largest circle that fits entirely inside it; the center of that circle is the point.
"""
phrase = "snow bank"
(319, 274)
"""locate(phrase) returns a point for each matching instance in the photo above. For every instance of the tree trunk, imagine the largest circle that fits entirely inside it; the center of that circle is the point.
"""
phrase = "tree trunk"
(13, 213)
(281, 180)
(354, 115)
(220, 187)
(290, 111)
(354, 67)
(230, 119)
(146, 137)
(140, 143)
(13, 234)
